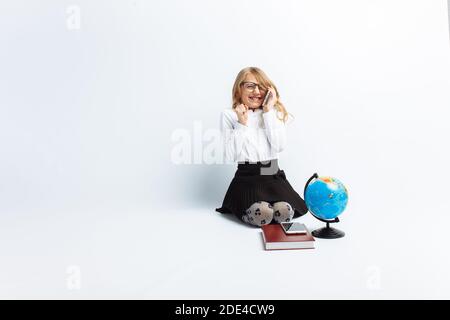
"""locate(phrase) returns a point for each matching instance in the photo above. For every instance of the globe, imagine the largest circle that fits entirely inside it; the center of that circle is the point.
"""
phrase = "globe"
(326, 197)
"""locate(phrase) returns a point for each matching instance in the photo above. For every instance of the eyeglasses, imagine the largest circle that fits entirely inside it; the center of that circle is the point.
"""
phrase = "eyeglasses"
(251, 86)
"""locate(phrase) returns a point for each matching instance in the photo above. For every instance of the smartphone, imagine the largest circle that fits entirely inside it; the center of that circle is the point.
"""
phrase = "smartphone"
(266, 98)
(293, 228)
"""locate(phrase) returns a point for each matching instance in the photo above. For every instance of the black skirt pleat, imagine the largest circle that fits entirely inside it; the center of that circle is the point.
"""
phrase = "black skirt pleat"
(249, 185)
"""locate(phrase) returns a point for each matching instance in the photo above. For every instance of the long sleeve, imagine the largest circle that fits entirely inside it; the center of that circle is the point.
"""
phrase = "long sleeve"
(275, 130)
(234, 135)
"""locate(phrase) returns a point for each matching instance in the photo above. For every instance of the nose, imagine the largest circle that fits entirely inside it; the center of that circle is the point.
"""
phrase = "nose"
(257, 89)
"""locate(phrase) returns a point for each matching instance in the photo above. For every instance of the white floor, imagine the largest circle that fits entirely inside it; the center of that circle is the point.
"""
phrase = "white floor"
(210, 255)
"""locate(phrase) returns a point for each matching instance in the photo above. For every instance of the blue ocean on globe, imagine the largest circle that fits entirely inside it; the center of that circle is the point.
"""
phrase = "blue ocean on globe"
(326, 197)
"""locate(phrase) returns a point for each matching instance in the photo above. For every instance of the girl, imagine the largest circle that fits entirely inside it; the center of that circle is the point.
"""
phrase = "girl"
(253, 134)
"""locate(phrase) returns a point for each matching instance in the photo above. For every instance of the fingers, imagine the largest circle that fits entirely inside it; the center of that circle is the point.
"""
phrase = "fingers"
(242, 108)
(271, 89)
(273, 96)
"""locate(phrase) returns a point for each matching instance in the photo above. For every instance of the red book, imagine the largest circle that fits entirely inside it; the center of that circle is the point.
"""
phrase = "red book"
(275, 238)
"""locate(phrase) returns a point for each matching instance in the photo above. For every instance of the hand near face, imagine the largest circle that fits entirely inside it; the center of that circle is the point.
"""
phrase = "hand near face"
(272, 100)
(242, 113)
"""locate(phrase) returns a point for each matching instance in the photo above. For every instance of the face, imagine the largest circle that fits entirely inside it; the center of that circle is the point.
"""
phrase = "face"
(252, 99)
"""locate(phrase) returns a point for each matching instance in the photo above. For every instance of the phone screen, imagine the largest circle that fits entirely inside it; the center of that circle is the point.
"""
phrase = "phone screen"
(294, 227)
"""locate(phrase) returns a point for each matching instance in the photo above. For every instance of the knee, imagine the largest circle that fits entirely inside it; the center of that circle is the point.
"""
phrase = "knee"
(259, 213)
(282, 211)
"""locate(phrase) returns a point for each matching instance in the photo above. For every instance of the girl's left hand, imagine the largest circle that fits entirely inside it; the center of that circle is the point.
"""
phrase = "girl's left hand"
(272, 99)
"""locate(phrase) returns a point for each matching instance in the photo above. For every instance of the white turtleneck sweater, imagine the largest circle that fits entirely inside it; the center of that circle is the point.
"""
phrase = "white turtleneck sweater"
(261, 139)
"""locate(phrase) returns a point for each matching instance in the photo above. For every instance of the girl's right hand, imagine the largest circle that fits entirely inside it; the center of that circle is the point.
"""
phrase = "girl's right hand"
(242, 113)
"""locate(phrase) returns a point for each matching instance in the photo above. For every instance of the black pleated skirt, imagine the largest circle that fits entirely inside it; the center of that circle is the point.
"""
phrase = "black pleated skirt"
(260, 181)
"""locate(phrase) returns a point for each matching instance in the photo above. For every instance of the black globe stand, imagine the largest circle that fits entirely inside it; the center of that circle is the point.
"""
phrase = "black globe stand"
(328, 232)
(325, 232)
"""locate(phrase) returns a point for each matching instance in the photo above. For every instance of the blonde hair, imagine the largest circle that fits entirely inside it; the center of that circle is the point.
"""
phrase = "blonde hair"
(263, 81)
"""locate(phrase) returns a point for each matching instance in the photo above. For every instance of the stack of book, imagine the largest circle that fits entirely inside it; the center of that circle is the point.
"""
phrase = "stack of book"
(275, 238)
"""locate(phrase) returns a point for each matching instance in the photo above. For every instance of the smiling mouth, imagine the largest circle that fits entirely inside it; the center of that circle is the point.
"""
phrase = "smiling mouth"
(255, 99)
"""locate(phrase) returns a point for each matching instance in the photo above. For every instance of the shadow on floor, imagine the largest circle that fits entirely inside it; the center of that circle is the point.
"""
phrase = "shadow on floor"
(232, 217)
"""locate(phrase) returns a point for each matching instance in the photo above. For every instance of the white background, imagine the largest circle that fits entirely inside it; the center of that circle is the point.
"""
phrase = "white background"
(87, 115)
